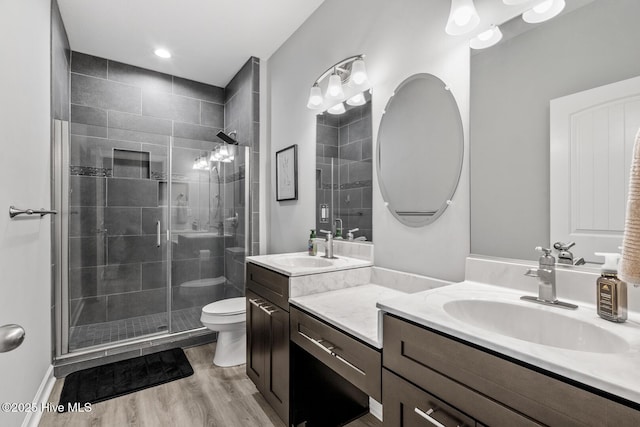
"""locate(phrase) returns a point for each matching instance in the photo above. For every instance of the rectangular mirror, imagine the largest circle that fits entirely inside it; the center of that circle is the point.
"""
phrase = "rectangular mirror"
(344, 172)
(593, 43)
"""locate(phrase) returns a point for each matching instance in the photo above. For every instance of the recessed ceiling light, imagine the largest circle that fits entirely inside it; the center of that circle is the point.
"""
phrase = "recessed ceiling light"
(162, 53)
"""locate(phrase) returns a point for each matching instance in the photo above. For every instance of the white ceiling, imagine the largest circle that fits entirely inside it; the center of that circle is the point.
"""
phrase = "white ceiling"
(210, 40)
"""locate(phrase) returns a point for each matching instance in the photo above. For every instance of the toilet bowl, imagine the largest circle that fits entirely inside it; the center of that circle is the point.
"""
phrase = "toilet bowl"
(228, 318)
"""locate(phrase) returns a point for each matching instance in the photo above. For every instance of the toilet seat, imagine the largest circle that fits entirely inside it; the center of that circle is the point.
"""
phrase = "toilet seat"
(226, 307)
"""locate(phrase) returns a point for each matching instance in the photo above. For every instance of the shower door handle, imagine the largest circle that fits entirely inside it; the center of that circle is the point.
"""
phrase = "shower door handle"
(158, 233)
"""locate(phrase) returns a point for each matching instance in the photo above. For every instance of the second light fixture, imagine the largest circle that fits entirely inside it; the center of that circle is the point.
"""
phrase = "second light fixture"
(344, 81)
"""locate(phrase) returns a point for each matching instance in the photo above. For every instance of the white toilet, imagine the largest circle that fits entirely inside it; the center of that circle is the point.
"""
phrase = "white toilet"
(228, 318)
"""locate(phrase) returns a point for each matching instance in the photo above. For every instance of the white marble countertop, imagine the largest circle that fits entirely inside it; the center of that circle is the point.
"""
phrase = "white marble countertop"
(282, 263)
(617, 373)
(352, 310)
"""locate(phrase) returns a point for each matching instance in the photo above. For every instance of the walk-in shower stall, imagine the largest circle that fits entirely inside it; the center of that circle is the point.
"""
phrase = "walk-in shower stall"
(155, 208)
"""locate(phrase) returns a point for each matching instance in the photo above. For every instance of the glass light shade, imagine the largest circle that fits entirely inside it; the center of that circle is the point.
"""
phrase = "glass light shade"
(486, 39)
(514, 2)
(337, 109)
(315, 97)
(463, 17)
(357, 99)
(334, 89)
(358, 72)
(543, 11)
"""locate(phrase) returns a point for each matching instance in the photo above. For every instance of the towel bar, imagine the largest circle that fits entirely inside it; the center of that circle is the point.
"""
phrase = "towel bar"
(13, 212)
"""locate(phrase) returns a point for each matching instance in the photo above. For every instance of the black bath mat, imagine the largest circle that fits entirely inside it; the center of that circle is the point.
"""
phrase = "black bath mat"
(127, 376)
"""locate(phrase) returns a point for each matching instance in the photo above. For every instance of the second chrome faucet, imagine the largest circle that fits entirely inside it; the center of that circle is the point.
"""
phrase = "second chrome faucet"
(546, 274)
(328, 253)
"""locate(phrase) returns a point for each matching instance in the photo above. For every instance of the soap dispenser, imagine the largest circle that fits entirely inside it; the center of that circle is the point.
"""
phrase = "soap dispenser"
(611, 291)
(313, 246)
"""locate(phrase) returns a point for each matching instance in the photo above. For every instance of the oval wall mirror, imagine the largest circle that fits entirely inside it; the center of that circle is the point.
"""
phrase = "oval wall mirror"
(420, 150)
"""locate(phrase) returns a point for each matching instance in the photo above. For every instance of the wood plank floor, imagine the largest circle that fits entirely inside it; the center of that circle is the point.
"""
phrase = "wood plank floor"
(212, 396)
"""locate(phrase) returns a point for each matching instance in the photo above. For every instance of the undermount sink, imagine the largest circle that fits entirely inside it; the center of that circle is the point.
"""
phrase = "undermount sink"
(303, 261)
(535, 325)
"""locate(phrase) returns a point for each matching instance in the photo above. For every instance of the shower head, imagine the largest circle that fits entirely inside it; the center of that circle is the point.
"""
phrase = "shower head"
(229, 139)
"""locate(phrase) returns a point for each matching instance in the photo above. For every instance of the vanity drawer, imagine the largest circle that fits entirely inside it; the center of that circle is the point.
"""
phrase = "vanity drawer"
(428, 358)
(269, 285)
(407, 405)
(357, 362)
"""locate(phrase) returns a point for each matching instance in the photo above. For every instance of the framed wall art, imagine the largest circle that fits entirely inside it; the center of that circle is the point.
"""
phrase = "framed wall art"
(287, 174)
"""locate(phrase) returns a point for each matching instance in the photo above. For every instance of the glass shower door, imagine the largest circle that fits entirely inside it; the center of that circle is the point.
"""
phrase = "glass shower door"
(117, 257)
(207, 228)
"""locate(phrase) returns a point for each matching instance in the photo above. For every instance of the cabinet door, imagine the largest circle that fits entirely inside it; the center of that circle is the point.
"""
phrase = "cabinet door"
(276, 379)
(256, 331)
(407, 405)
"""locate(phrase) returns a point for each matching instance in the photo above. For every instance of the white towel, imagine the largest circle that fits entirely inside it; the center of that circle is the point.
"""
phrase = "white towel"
(630, 264)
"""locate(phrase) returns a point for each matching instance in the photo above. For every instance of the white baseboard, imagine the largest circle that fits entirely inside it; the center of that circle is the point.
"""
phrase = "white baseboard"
(42, 396)
(375, 408)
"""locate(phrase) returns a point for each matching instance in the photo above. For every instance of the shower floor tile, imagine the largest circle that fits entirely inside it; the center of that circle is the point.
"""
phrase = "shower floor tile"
(135, 327)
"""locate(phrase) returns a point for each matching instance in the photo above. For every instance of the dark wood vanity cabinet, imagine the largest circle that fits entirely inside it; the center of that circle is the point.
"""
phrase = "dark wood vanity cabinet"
(455, 383)
(353, 360)
(268, 336)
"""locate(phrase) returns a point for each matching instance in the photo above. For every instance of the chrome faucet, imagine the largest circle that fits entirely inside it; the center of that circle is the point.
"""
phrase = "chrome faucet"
(564, 254)
(350, 235)
(546, 274)
(328, 245)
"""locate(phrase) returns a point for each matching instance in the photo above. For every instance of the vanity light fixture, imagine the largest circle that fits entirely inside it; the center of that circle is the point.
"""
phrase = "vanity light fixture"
(543, 11)
(357, 99)
(358, 73)
(337, 109)
(486, 38)
(463, 17)
(338, 82)
(334, 89)
(315, 97)
(162, 53)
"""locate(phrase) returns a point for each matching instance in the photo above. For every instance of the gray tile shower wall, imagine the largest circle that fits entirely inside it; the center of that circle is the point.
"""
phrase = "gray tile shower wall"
(241, 114)
(355, 174)
(347, 139)
(122, 118)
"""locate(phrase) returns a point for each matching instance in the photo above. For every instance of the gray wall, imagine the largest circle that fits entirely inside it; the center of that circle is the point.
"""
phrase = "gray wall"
(396, 45)
(511, 86)
(118, 272)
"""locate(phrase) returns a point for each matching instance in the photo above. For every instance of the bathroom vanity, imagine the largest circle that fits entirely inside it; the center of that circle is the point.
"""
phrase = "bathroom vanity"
(467, 354)
(474, 353)
(331, 352)
(479, 387)
(268, 336)
(269, 353)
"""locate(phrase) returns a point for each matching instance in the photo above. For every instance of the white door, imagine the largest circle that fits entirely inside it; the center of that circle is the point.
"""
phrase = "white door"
(592, 136)
(25, 244)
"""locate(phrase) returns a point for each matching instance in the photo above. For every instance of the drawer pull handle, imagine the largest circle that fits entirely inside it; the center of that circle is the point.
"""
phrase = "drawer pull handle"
(266, 308)
(316, 343)
(327, 347)
(426, 416)
(349, 364)
(258, 303)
